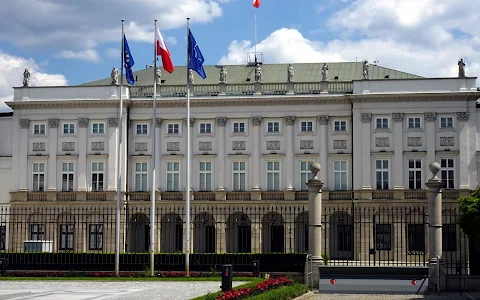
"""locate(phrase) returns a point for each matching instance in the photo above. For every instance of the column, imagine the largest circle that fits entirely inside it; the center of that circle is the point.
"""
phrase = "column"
(366, 151)
(157, 130)
(315, 215)
(398, 166)
(52, 159)
(220, 163)
(436, 279)
(464, 156)
(22, 172)
(323, 120)
(257, 122)
(112, 154)
(15, 154)
(430, 137)
(290, 145)
(82, 145)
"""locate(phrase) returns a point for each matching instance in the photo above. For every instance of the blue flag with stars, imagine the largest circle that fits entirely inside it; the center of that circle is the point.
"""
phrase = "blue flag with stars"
(128, 61)
(195, 61)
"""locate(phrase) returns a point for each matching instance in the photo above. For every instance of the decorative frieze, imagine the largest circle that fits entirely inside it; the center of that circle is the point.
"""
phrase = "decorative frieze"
(112, 122)
(98, 146)
(323, 120)
(82, 123)
(462, 116)
(398, 117)
(430, 117)
(68, 146)
(257, 121)
(221, 121)
(447, 141)
(204, 146)
(39, 146)
(273, 145)
(290, 120)
(306, 144)
(366, 117)
(24, 123)
(238, 145)
(142, 146)
(173, 146)
(53, 123)
(339, 144)
(192, 122)
(158, 122)
(382, 142)
(414, 141)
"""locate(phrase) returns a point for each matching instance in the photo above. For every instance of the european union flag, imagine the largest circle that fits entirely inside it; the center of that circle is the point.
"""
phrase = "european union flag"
(195, 61)
(128, 61)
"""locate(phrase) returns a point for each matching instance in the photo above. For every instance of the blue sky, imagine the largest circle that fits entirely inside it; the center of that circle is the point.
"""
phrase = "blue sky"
(72, 42)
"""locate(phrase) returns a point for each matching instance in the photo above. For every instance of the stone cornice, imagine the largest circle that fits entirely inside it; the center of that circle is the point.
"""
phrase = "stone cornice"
(414, 97)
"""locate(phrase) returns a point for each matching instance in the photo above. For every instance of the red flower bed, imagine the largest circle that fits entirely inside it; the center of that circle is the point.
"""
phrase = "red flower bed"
(261, 287)
(169, 274)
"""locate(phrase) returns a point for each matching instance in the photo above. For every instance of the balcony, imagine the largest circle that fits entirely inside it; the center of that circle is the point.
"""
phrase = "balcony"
(303, 196)
(415, 194)
(66, 196)
(204, 196)
(273, 196)
(238, 196)
(139, 196)
(96, 196)
(382, 194)
(340, 195)
(172, 196)
(450, 194)
(37, 196)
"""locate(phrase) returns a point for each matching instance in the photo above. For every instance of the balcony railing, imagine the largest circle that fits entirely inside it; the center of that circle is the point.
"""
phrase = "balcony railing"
(301, 196)
(66, 196)
(96, 196)
(172, 196)
(382, 194)
(139, 196)
(273, 196)
(340, 195)
(37, 196)
(450, 194)
(415, 194)
(239, 196)
(204, 196)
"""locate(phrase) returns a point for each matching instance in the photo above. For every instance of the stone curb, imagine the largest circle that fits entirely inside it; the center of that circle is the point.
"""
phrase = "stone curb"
(308, 295)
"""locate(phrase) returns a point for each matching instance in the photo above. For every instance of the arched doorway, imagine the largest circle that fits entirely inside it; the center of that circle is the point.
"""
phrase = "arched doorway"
(204, 233)
(239, 233)
(171, 239)
(273, 233)
(139, 233)
(341, 235)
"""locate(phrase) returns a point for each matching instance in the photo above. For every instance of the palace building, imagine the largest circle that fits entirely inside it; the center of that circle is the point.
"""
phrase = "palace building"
(254, 132)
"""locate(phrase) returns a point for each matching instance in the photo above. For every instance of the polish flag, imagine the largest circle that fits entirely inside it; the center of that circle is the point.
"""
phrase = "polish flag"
(256, 3)
(162, 50)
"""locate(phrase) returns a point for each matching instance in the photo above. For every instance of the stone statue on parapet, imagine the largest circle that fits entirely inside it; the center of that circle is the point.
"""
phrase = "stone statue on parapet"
(158, 76)
(190, 76)
(325, 72)
(290, 73)
(114, 76)
(26, 77)
(223, 75)
(366, 70)
(258, 73)
(461, 68)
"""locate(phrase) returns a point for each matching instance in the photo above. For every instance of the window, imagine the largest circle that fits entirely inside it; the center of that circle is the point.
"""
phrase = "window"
(39, 129)
(98, 128)
(416, 237)
(306, 126)
(382, 123)
(238, 127)
(97, 176)
(69, 128)
(38, 177)
(446, 122)
(449, 237)
(381, 173)
(173, 128)
(239, 176)
(383, 237)
(141, 177)
(66, 236)
(415, 174)
(273, 175)
(205, 176)
(273, 126)
(205, 128)
(448, 173)
(37, 232)
(305, 174)
(340, 126)
(340, 175)
(67, 176)
(96, 236)
(173, 176)
(413, 122)
(142, 128)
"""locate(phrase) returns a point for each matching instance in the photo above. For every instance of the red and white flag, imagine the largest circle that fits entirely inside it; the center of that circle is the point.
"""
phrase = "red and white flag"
(256, 3)
(162, 50)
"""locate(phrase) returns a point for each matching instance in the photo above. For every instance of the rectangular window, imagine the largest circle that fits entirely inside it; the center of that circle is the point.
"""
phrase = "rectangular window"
(449, 237)
(416, 237)
(205, 176)
(273, 176)
(239, 173)
(448, 173)
(96, 236)
(382, 123)
(414, 123)
(97, 176)
(305, 174)
(381, 173)
(173, 128)
(68, 172)
(173, 176)
(415, 174)
(141, 177)
(238, 127)
(446, 122)
(306, 126)
(340, 172)
(37, 232)
(69, 128)
(38, 177)
(273, 127)
(340, 125)
(39, 129)
(66, 236)
(205, 128)
(142, 128)
(98, 128)
(383, 237)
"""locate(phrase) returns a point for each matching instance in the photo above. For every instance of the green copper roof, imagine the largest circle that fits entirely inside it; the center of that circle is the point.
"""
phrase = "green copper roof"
(271, 73)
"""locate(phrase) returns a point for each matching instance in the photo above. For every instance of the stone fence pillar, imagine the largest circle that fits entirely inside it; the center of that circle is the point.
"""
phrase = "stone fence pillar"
(315, 215)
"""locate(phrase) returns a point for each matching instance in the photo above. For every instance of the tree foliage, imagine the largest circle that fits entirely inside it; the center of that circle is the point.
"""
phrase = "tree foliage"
(469, 219)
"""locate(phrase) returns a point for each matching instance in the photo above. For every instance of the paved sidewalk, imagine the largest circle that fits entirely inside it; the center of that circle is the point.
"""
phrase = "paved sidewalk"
(449, 296)
(106, 290)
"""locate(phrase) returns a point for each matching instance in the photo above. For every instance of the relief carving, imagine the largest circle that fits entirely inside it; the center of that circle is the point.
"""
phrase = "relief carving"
(339, 144)
(24, 123)
(82, 123)
(306, 144)
(257, 121)
(366, 117)
(462, 116)
(323, 120)
(204, 146)
(447, 141)
(98, 146)
(68, 146)
(382, 142)
(53, 123)
(192, 122)
(430, 117)
(141, 146)
(238, 145)
(112, 122)
(173, 146)
(273, 145)
(158, 122)
(290, 120)
(39, 146)
(397, 117)
(414, 141)
(221, 121)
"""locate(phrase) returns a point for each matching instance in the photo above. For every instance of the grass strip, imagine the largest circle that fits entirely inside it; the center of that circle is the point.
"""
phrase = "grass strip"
(211, 296)
(282, 293)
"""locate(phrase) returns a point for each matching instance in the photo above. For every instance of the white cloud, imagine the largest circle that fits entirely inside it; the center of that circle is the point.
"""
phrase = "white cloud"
(171, 40)
(11, 75)
(89, 55)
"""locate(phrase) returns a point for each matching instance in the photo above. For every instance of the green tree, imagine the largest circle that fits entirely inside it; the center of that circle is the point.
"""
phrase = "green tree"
(469, 219)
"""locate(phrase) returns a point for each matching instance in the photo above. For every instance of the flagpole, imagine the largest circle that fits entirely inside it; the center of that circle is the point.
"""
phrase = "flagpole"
(187, 202)
(119, 164)
(152, 132)
(255, 31)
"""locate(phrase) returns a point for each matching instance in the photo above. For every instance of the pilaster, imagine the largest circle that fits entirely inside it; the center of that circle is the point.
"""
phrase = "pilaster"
(256, 163)
(112, 154)
(323, 121)
(157, 129)
(464, 141)
(22, 174)
(290, 145)
(398, 185)
(430, 137)
(366, 119)
(220, 163)
(82, 153)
